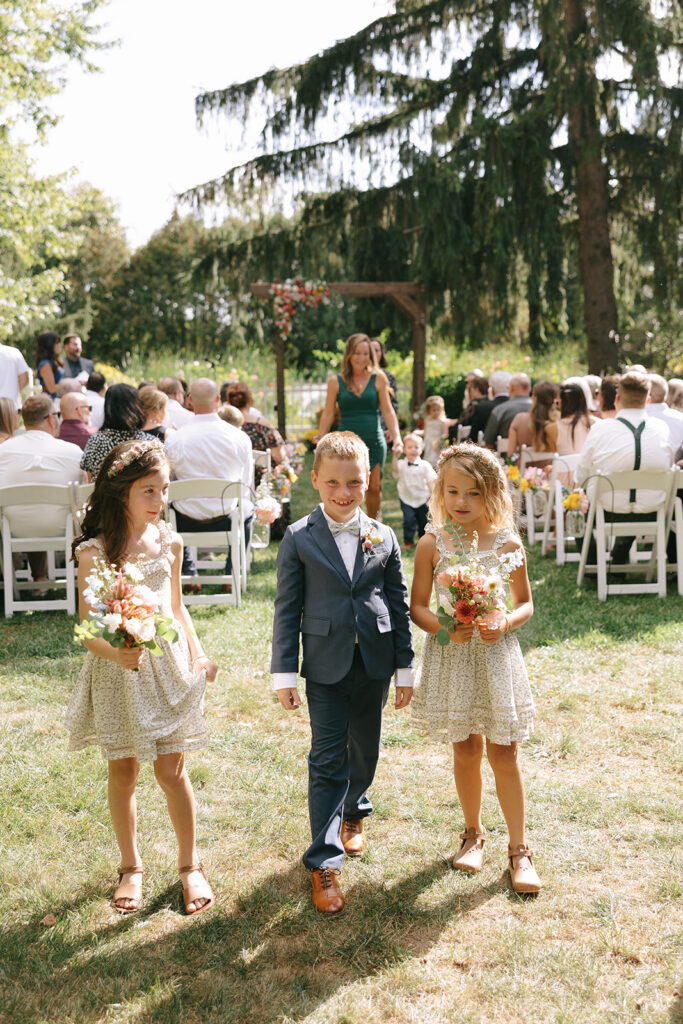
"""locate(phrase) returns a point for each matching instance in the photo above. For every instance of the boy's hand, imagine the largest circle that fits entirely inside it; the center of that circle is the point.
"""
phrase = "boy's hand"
(462, 633)
(289, 698)
(404, 695)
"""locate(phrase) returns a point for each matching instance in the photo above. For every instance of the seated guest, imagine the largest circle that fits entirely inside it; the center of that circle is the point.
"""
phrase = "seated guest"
(146, 384)
(49, 369)
(675, 394)
(75, 426)
(611, 447)
(659, 390)
(123, 421)
(154, 405)
(593, 382)
(177, 415)
(210, 447)
(37, 457)
(503, 414)
(607, 396)
(238, 393)
(531, 428)
(231, 414)
(68, 386)
(480, 407)
(568, 435)
(95, 388)
(263, 439)
(9, 419)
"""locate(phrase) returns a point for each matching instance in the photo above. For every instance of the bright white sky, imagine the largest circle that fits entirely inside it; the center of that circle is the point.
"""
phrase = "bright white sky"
(131, 131)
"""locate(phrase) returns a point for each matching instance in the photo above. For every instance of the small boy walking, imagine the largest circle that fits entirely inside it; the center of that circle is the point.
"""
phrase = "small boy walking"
(416, 478)
(340, 584)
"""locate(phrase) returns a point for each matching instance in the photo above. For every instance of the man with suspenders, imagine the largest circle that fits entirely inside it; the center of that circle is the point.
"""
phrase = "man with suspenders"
(630, 441)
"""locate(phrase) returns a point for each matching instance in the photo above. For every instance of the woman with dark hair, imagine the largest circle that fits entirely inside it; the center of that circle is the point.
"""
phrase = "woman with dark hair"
(569, 433)
(48, 364)
(124, 418)
(362, 391)
(378, 349)
(531, 428)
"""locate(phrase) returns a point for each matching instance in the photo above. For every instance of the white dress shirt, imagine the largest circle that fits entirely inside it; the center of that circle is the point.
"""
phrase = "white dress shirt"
(35, 457)
(673, 419)
(415, 481)
(12, 365)
(210, 447)
(177, 416)
(347, 544)
(610, 448)
(96, 408)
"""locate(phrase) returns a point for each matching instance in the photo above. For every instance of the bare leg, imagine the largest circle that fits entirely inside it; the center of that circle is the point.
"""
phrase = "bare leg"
(467, 771)
(509, 787)
(170, 773)
(123, 775)
(373, 495)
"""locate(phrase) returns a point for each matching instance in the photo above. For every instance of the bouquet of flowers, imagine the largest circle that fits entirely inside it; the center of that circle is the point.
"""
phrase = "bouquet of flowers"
(266, 508)
(576, 505)
(124, 612)
(281, 480)
(477, 593)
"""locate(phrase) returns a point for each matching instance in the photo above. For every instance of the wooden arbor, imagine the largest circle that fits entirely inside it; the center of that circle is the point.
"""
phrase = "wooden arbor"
(408, 297)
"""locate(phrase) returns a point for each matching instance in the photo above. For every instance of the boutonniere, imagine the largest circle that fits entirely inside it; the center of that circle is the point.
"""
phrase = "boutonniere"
(370, 538)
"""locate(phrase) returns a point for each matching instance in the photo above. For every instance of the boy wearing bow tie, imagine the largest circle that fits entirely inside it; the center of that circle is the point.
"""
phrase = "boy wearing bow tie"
(340, 584)
(416, 479)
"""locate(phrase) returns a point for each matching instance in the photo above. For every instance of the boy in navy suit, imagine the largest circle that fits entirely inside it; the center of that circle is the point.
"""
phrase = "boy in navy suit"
(340, 584)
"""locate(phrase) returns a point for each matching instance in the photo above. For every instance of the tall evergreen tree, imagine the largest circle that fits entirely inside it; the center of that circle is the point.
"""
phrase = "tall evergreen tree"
(488, 175)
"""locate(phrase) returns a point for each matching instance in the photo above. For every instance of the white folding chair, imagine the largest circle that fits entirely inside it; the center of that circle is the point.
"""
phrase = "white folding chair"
(561, 474)
(463, 432)
(80, 495)
(262, 460)
(676, 525)
(55, 501)
(529, 518)
(502, 445)
(660, 482)
(260, 537)
(217, 540)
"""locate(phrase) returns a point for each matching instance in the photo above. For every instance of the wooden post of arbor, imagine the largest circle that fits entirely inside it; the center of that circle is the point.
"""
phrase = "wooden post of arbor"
(408, 297)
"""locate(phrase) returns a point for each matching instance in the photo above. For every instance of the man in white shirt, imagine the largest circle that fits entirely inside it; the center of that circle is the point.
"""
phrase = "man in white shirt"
(37, 457)
(95, 388)
(13, 374)
(659, 390)
(210, 447)
(177, 415)
(632, 440)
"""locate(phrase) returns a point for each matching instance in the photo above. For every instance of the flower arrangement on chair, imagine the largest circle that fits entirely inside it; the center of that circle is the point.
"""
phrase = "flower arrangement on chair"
(575, 504)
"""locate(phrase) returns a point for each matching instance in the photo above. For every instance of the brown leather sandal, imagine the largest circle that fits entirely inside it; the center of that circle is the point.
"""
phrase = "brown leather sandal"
(471, 853)
(523, 873)
(192, 893)
(131, 892)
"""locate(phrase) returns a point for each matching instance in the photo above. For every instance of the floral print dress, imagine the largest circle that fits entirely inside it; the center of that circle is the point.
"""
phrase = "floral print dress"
(475, 687)
(156, 710)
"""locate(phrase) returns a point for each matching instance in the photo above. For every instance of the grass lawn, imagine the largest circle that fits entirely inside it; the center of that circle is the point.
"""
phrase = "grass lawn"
(418, 941)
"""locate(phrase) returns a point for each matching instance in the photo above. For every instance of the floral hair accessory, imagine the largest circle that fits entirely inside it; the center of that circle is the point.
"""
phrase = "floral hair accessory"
(133, 453)
(473, 450)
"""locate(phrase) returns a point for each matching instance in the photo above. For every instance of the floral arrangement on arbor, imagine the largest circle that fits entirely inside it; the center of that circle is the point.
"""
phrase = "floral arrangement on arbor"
(293, 294)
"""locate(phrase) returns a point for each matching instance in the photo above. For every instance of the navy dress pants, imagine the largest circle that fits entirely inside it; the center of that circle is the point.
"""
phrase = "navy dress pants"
(414, 519)
(346, 725)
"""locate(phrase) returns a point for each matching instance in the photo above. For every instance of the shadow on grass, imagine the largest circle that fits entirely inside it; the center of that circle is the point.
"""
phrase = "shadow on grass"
(271, 956)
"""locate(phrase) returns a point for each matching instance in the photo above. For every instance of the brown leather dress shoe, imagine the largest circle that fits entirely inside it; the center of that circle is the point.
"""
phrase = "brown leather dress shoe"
(352, 837)
(327, 897)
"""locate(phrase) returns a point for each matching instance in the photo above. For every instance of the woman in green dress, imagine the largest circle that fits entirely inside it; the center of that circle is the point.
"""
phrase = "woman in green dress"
(362, 391)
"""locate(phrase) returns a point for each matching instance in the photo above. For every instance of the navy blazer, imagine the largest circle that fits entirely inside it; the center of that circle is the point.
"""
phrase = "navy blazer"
(317, 599)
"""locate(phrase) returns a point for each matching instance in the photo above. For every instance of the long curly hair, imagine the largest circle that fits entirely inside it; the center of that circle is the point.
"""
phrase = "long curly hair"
(484, 467)
(545, 392)
(106, 514)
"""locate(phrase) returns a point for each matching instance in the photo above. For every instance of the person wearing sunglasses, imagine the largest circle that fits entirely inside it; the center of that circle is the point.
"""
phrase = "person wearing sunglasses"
(75, 427)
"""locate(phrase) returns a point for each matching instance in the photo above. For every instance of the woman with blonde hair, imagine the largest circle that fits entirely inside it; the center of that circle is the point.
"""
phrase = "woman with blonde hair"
(9, 418)
(362, 391)
(154, 403)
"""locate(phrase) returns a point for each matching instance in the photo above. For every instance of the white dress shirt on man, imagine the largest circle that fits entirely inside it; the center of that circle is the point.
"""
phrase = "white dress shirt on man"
(96, 408)
(673, 419)
(35, 457)
(12, 365)
(210, 447)
(177, 416)
(347, 545)
(610, 448)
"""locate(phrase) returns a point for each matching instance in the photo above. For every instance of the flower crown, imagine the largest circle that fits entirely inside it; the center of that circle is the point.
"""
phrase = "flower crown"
(474, 451)
(133, 453)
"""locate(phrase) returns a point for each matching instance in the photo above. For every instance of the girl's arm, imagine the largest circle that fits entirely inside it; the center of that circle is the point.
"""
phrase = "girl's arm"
(520, 592)
(388, 414)
(327, 415)
(421, 591)
(126, 657)
(181, 615)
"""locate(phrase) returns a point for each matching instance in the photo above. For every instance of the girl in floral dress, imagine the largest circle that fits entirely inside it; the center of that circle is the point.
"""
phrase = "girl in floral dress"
(476, 687)
(135, 705)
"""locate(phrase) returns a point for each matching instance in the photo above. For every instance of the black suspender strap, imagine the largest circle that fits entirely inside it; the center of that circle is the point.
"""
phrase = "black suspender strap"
(636, 431)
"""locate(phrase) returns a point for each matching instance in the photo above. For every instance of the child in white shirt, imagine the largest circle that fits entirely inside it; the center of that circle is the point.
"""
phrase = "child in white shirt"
(415, 479)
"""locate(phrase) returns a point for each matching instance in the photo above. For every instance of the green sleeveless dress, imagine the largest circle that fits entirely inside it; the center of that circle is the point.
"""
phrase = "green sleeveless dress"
(360, 413)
